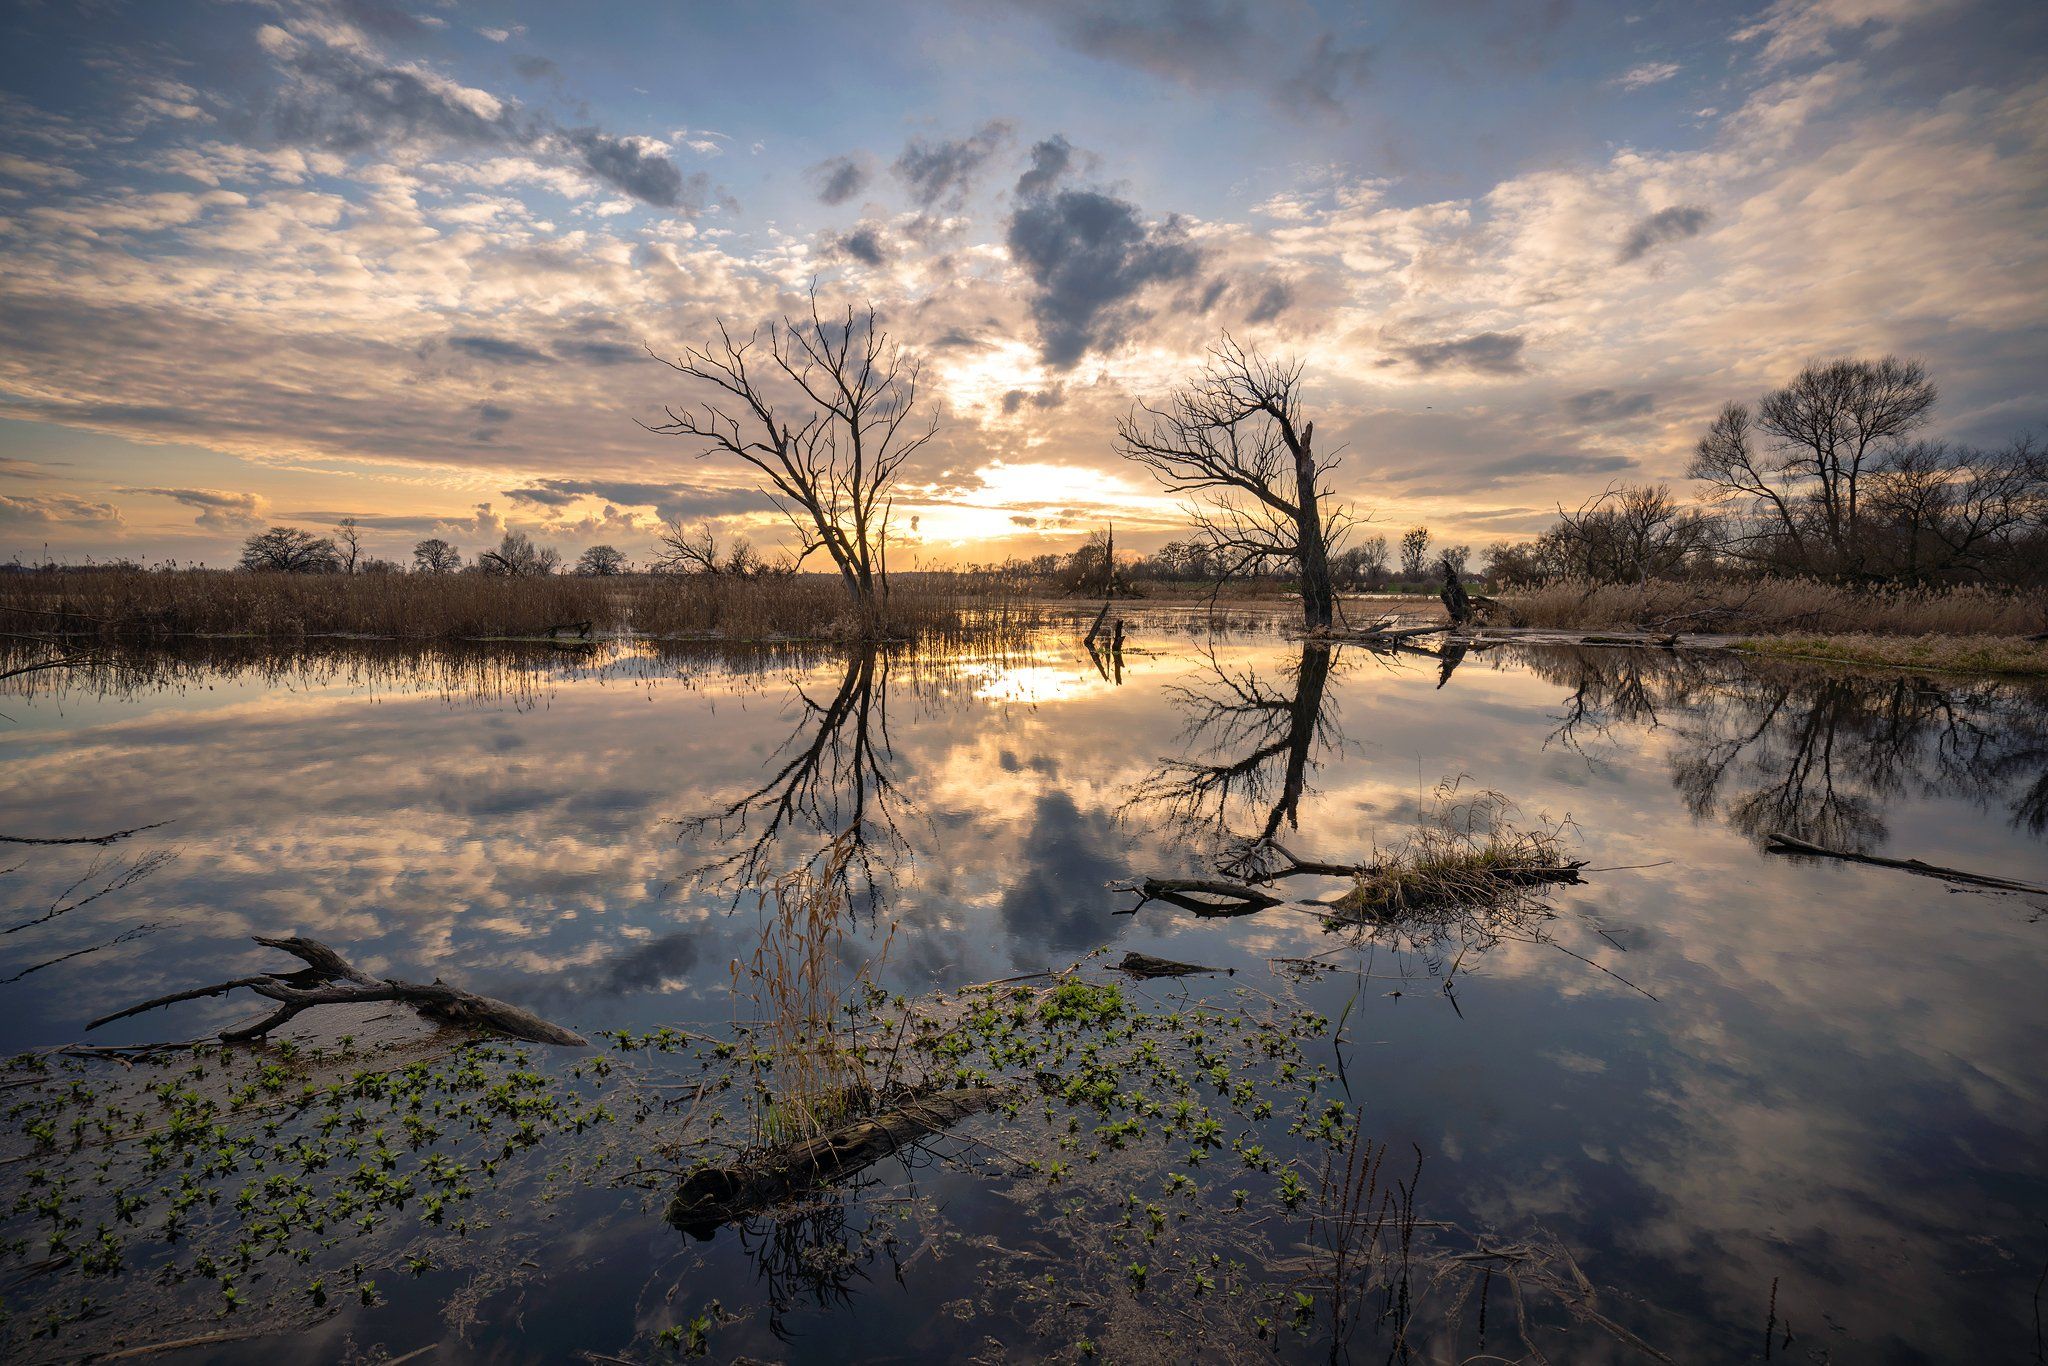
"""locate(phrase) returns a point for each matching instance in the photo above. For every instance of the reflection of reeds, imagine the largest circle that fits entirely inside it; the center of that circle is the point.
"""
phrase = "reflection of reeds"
(810, 1075)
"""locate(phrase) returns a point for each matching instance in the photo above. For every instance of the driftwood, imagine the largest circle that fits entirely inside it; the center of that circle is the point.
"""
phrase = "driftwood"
(1379, 637)
(1145, 965)
(1786, 844)
(1206, 897)
(329, 979)
(1666, 642)
(713, 1196)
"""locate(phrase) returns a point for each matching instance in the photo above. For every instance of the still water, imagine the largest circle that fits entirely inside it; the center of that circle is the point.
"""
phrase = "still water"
(1768, 1105)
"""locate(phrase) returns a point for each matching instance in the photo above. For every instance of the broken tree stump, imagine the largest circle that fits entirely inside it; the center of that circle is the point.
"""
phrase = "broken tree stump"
(330, 979)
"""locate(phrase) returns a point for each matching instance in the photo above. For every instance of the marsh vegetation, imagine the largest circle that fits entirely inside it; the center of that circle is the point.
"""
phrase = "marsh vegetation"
(1471, 1072)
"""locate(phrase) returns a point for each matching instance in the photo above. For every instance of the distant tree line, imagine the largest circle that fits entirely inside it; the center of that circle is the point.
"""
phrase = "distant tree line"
(1824, 478)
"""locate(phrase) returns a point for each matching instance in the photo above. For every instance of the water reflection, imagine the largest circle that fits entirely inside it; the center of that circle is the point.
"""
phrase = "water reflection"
(829, 798)
(1836, 1083)
(1818, 754)
(1251, 740)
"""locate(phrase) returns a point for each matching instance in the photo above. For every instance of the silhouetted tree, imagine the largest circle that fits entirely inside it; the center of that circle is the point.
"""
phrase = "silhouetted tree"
(1414, 552)
(518, 557)
(435, 556)
(348, 540)
(1236, 437)
(1797, 466)
(287, 549)
(827, 421)
(602, 561)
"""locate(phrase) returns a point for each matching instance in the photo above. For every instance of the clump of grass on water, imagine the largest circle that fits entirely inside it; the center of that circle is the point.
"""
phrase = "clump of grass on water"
(1464, 853)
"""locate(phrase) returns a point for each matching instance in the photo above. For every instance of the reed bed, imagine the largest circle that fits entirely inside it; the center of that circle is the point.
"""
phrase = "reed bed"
(1935, 653)
(116, 604)
(122, 604)
(1775, 606)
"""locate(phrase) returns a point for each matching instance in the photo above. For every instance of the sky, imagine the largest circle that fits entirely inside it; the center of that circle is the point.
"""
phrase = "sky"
(289, 261)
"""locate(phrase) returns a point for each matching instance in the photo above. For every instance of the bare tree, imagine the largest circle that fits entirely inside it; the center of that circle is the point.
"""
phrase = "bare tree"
(1828, 431)
(602, 561)
(831, 441)
(1937, 512)
(695, 550)
(348, 539)
(518, 557)
(1235, 435)
(1627, 535)
(435, 556)
(1414, 552)
(288, 549)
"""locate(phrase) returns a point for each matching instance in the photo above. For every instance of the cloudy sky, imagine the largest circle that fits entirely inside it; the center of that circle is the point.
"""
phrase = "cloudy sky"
(294, 260)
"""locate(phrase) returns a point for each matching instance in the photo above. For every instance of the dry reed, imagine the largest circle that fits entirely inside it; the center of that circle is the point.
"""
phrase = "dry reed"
(153, 604)
(1773, 606)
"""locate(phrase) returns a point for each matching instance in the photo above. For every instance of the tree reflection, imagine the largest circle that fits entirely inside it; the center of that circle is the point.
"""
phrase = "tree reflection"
(830, 784)
(1260, 741)
(1818, 754)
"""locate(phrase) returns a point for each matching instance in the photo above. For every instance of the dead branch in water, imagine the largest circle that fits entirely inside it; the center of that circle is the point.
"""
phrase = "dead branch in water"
(1786, 844)
(329, 979)
(1207, 897)
(713, 1196)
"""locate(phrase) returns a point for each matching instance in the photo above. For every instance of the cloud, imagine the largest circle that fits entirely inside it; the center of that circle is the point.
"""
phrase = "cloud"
(1485, 353)
(1605, 405)
(218, 510)
(864, 244)
(1210, 44)
(1050, 160)
(1271, 302)
(1795, 29)
(838, 179)
(346, 97)
(1015, 399)
(1488, 474)
(501, 349)
(638, 167)
(671, 502)
(944, 171)
(1674, 224)
(1090, 255)
(56, 509)
(1647, 74)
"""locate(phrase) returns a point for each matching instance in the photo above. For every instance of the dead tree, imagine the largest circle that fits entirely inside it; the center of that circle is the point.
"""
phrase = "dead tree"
(1457, 603)
(329, 979)
(823, 410)
(1234, 437)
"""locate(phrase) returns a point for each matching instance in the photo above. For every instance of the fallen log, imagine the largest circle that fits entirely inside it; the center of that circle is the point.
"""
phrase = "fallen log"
(1145, 965)
(330, 979)
(714, 1196)
(1786, 844)
(1382, 637)
(1206, 897)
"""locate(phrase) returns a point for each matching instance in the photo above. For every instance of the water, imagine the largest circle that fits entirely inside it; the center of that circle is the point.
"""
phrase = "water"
(1716, 1070)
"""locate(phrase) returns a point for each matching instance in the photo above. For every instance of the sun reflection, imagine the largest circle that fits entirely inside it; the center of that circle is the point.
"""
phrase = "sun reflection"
(1057, 680)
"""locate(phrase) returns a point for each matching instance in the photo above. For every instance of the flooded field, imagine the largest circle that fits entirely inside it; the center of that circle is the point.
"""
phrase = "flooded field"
(1694, 1100)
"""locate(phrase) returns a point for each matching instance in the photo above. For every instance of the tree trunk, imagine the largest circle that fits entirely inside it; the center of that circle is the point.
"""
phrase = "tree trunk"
(1318, 594)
